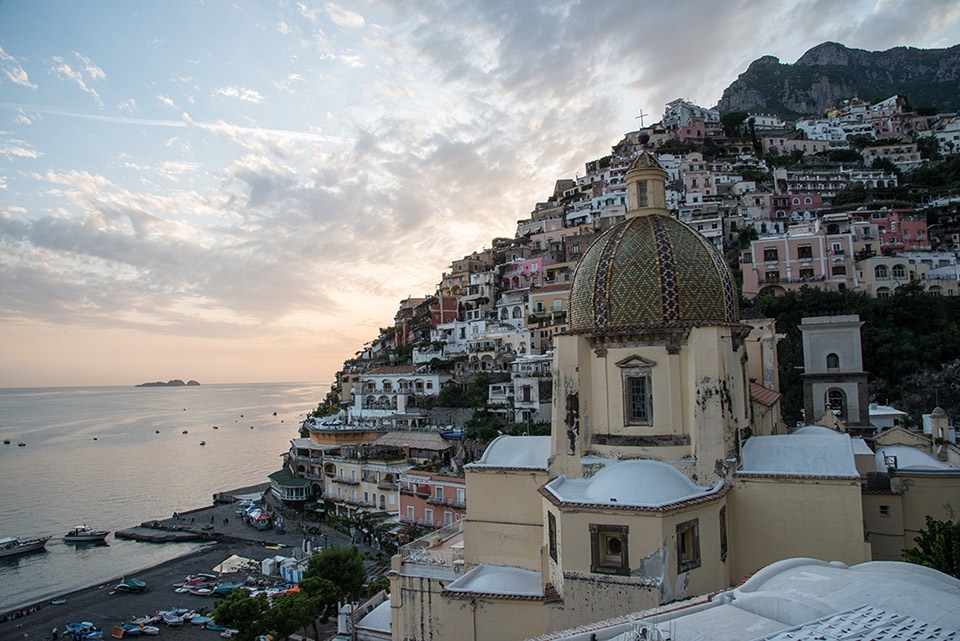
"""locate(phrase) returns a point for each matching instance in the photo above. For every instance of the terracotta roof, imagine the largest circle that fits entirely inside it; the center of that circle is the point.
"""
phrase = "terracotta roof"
(397, 369)
(416, 440)
(762, 395)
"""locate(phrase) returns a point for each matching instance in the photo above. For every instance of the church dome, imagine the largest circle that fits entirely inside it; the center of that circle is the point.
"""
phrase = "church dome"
(651, 270)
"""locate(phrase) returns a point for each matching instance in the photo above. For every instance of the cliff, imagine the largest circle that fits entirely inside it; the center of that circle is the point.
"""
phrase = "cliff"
(830, 72)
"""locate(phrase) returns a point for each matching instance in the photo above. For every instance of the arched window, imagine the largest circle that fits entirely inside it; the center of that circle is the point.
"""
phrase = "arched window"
(899, 273)
(517, 312)
(808, 200)
(833, 361)
(796, 201)
(837, 402)
(880, 273)
(883, 292)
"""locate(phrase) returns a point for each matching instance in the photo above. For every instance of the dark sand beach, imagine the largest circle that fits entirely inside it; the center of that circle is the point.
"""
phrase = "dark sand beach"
(106, 608)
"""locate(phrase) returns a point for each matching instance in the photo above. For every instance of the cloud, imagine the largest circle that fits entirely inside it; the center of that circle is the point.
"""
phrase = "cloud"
(129, 105)
(63, 69)
(309, 13)
(240, 93)
(167, 101)
(92, 70)
(13, 71)
(18, 149)
(343, 17)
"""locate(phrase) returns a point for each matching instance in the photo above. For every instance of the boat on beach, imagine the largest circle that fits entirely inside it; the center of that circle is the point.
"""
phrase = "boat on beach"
(84, 534)
(131, 585)
(12, 545)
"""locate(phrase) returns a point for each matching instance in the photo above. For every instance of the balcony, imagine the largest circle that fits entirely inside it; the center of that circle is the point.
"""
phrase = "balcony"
(346, 481)
(453, 503)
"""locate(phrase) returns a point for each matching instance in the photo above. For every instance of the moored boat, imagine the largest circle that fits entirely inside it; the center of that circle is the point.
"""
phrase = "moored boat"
(131, 585)
(12, 545)
(84, 534)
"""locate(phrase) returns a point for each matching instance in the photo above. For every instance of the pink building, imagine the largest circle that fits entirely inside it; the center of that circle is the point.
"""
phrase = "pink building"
(805, 256)
(432, 500)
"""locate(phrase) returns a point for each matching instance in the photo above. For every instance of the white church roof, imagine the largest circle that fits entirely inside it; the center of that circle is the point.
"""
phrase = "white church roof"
(522, 452)
(912, 459)
(378, 619)
(804, 600)
(504, 581)
(637, 483)
(810, 451)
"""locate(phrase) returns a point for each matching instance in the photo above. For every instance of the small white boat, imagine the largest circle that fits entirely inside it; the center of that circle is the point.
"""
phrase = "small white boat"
(173, 619)
(12, 545)
(152, 630)
(84, 534)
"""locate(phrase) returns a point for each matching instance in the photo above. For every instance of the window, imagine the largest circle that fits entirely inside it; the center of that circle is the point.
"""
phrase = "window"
(552, 535)
(448, 518)
(428, 516)
(884, 510)
(723, 533)
(772, 276)
(833, 361)
(461, 496)
(638, 398)
(806, 273)
(898, 272)
(642, 194)
(770, 254)
(411, 514)
(688, 545)
(804, 251)
(439, 493)
(880, 273)
(608, 549)
(839, 270)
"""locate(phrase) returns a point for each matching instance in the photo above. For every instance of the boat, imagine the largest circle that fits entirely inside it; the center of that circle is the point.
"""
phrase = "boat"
(131, 585)
(203, 442)
(84, 534)
(83, 630)
(172, 619)
(12, 545)
(130, 630)
(152, 630)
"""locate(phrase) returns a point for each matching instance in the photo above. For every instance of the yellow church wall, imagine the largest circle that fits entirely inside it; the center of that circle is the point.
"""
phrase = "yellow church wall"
(937, 495)
(504, 524)
(654, 576)
(883, 522)
(418, 611)
(777, 518)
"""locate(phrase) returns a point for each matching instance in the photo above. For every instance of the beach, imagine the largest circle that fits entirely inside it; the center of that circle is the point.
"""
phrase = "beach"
(106, 608)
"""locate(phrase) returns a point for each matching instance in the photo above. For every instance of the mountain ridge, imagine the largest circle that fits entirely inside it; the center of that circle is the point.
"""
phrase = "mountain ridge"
(831, 72)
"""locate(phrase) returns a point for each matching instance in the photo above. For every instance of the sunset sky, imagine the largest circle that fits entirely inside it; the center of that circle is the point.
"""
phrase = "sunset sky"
(244, 191)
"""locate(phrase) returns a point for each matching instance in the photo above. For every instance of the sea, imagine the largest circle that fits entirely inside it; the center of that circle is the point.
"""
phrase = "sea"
(114, 457)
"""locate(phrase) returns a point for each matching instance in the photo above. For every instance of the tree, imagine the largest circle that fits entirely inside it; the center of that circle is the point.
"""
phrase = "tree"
(250, 615)
(294, 611)
(732, 121)
(341, 566)
(938, 547)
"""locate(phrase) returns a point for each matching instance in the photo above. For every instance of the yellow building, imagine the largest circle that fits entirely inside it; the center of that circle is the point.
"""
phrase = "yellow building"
(650, 488)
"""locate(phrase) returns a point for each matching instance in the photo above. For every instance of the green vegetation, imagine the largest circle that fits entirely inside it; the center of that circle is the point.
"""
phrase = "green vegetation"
(911, 345)
(938, 547)
(335, 574)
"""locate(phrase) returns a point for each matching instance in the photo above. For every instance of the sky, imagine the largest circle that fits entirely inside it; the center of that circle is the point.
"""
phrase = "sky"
(245, 191)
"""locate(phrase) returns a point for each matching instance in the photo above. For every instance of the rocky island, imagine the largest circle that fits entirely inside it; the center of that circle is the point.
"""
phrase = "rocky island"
(171, 383)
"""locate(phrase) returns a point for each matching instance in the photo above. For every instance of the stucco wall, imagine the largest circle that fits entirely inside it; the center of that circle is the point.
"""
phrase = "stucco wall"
(778, 518)
(504, 519)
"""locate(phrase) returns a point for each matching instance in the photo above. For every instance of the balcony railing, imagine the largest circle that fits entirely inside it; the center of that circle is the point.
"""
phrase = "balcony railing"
(448, 503)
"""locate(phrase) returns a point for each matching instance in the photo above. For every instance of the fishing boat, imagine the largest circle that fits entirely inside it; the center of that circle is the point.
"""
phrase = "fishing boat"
(12, 545)
(131, 585)
(84, 534)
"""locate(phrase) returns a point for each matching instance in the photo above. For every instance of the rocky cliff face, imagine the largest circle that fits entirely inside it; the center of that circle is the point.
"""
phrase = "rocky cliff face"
(831, 72)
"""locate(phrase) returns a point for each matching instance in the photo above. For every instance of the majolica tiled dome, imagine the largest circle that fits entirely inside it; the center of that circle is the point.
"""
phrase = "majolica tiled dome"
(651, 270)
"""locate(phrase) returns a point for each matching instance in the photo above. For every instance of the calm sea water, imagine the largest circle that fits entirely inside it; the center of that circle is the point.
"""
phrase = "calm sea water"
(94, 455)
